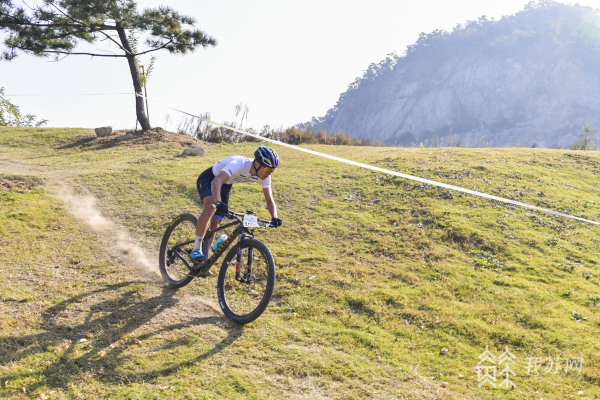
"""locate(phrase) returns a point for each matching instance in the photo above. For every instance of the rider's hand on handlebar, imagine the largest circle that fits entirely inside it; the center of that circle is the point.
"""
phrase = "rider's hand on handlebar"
(275, 222)
(222, 209)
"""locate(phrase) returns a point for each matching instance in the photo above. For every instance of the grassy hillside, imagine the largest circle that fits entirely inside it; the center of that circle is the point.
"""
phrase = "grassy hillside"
(385, 289)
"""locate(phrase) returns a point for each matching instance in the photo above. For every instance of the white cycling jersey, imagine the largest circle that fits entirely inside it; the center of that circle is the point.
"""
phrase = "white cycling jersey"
(238, 169)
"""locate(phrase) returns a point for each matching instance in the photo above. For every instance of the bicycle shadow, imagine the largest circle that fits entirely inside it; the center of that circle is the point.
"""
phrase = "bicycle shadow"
(95, 333)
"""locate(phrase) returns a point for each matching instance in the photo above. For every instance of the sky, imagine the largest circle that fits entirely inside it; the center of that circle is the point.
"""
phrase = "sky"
(285, 61)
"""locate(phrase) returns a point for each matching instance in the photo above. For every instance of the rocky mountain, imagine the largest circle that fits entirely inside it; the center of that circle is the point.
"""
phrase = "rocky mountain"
(530, 79)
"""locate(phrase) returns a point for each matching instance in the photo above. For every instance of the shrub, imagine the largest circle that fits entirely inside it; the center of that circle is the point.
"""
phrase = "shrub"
(10, 114)
(585, 141)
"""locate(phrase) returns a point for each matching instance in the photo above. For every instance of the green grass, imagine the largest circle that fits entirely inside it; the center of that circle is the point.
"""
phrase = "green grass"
(376, 276)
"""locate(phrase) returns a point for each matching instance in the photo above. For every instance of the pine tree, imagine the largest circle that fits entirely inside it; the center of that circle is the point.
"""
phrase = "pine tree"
(56, 27)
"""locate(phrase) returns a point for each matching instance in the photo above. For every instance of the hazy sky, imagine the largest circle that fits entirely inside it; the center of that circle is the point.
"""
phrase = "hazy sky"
(287, 61)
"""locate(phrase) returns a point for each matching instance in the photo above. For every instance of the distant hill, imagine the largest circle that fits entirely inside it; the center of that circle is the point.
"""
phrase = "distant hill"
(530, 79)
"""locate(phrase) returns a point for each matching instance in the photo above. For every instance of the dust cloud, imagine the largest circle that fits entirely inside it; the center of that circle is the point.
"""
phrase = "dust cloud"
(83, 207)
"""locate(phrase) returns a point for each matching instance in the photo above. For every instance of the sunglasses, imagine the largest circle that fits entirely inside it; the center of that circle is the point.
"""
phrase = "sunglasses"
(269, 169)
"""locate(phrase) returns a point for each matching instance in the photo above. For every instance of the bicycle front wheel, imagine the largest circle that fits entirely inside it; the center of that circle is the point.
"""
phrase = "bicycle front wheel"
(175, 248)
(246, 281)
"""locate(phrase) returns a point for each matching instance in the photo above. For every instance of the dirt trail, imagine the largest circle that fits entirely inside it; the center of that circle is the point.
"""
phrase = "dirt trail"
(125, 251)
(83, 206)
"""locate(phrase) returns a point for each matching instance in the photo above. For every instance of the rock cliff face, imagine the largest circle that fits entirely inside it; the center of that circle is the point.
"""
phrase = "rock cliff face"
(531, 79)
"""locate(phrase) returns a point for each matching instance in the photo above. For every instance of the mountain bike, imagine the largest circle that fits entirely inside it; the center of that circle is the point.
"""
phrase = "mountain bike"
(247, 276)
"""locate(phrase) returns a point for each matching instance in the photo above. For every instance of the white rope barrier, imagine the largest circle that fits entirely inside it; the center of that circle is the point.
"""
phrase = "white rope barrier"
(395, 173)
(410, 177)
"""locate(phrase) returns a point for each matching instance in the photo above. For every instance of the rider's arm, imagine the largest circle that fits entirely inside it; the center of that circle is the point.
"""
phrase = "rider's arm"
(270, 202)
(215, 186)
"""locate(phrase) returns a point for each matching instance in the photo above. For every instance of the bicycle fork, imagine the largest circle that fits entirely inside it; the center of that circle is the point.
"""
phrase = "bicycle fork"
(247, 277)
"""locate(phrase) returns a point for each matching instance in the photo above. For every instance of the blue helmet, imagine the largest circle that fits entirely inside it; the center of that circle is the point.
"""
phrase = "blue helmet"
(267, 157)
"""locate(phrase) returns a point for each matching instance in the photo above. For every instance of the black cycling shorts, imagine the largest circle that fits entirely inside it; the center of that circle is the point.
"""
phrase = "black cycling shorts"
(203, 184)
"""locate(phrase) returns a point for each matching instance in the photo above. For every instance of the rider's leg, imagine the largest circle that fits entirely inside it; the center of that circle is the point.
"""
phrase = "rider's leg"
(216, 221)
(202, 225)
(207, 212)
(203, 185)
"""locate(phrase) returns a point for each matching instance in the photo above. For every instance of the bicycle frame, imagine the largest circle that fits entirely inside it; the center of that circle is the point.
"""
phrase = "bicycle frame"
(240, 231)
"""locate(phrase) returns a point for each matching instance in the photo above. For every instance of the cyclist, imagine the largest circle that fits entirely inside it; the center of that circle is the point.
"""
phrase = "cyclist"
(214, 186)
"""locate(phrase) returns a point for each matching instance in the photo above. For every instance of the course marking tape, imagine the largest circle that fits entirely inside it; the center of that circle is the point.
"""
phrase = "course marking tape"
(406, 176)
(390, 172)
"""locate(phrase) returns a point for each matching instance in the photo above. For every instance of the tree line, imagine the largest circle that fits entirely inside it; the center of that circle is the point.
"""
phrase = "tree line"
(201, 128)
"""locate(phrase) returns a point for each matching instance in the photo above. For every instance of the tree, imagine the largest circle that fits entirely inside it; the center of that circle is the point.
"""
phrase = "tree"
(10, 114)
(56, 27)
(585, 141)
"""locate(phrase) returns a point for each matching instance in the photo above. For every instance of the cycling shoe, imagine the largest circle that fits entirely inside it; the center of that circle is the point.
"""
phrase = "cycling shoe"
(197, 255)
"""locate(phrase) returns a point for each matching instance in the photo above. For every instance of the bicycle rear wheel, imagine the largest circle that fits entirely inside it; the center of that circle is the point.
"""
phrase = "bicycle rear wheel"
(175, 248)
(243, 300)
